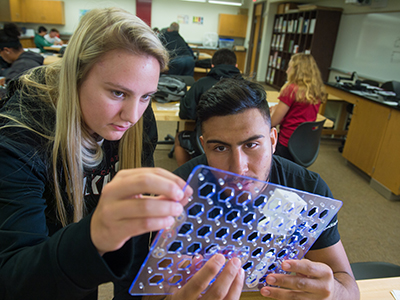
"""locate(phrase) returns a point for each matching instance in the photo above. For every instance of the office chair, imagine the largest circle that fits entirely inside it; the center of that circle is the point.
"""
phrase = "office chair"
(304, 142)
(374, 269)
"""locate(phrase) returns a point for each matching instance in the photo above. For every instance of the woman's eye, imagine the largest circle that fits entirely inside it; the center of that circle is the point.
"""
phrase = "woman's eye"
(118, 94)
(146, 97)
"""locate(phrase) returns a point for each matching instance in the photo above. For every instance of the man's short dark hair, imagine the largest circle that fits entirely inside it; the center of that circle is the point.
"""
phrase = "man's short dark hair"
(232, 96)
(54, 30)
(224, 57)
(42, 29)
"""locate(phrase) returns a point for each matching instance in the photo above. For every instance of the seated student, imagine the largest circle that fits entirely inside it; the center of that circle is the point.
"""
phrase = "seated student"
(300, 99)
(223, 65)
(74, 200)
(237, 137)
(182, 59)
(52, 37)
(39, 39)
(12, 52)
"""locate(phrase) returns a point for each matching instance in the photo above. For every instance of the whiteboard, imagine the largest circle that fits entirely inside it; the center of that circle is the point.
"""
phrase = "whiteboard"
(370, 45)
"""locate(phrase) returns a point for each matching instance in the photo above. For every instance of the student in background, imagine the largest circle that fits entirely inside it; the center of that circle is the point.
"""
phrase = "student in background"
(75, 203)
(300, 99)
(39, 39)
(12, 52)
(238, 138)
(223, 65)
(53, 37)
(182, 59)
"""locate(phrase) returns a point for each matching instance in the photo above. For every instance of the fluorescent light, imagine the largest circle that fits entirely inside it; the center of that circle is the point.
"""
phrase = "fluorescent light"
(228, 2)
(203, 1)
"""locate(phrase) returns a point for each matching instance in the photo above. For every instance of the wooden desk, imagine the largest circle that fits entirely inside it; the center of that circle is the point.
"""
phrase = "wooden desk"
(170, 112)
(54, 48)
(371, 289)
(51, 59)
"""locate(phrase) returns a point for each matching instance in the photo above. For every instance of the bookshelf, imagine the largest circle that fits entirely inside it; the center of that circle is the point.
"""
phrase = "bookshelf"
(310, 31)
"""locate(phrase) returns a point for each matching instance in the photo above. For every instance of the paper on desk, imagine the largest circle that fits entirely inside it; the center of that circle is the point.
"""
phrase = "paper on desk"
(167, 106)
(396, 294)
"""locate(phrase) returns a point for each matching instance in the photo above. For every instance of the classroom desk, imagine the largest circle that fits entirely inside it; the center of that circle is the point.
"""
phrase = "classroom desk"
(170, 112)
(50, 59)
(54, 48)
(371, 289)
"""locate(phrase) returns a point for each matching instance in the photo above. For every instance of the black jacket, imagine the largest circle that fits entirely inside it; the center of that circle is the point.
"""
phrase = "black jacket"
(27, 60)
(187, 107)
(40, 259)
(175, 44)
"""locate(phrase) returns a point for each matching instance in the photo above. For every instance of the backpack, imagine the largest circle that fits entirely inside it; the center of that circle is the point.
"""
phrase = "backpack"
(169, 89)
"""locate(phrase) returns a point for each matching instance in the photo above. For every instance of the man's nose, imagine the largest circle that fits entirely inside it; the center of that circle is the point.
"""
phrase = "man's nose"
(239, 162)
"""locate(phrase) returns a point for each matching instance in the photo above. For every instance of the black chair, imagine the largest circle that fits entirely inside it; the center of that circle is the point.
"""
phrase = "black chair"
(374, 269)
(304, 142)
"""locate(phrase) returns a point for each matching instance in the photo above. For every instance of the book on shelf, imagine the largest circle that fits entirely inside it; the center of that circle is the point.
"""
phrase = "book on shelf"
(271, 79)
(291, 44)
(274, 59)
(282, 42)
(305, 26)
(273, 41)
(300, 25)
(284, 26)
(280, 24)
(295, 26)
(312, 26)
(278, 41)
(276, 26)
(269, 74)
(271, 57)
(278, 63)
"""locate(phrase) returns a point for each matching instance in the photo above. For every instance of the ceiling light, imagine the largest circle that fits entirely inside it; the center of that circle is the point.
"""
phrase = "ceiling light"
(226, 2)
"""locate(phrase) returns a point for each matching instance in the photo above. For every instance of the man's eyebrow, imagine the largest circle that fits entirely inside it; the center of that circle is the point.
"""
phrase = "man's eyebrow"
(252, 138)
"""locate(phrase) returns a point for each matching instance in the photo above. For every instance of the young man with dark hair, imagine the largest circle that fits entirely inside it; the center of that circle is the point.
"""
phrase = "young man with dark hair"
(237, 137)
(52, 37)
(223, 65)
(39, 39)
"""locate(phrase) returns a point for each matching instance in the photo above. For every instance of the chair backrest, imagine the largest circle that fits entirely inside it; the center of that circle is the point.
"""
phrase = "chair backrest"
(374, 269)
(304, 142)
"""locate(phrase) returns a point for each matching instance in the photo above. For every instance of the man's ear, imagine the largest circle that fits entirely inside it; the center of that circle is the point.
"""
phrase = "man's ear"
(201, 141)
(274, 138)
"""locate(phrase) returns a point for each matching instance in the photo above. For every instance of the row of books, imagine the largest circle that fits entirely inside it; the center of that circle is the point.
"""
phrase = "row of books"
(299, 25)
(278, 43)
(270, 75)
(276, 61)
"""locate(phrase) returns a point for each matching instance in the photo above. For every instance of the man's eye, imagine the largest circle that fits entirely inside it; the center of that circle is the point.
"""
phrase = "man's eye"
(146, 97)
(220, 148)
(251, 145)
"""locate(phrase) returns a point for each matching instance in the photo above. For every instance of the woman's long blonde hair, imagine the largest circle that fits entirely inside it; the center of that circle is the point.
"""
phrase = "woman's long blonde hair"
(304, 73)
(99, 31)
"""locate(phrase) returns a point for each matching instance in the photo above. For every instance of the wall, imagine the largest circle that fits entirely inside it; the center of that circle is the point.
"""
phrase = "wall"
(164, 12)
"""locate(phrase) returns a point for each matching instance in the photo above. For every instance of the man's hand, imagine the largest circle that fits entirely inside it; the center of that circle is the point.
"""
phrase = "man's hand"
(313, 280)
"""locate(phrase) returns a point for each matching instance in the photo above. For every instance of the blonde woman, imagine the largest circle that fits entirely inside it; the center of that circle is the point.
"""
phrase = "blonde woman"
(299, 99)
(68, 220)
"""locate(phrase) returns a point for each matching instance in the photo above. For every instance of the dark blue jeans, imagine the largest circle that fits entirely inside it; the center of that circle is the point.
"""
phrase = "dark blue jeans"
(182, 65)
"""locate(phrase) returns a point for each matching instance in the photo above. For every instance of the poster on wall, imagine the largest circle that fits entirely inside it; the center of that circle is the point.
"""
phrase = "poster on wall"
(183, 19)
(82, 12)
(198, 20)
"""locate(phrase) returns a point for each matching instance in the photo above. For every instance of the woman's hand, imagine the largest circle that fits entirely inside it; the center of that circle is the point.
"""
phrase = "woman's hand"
(228, 285)
(123, 211)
